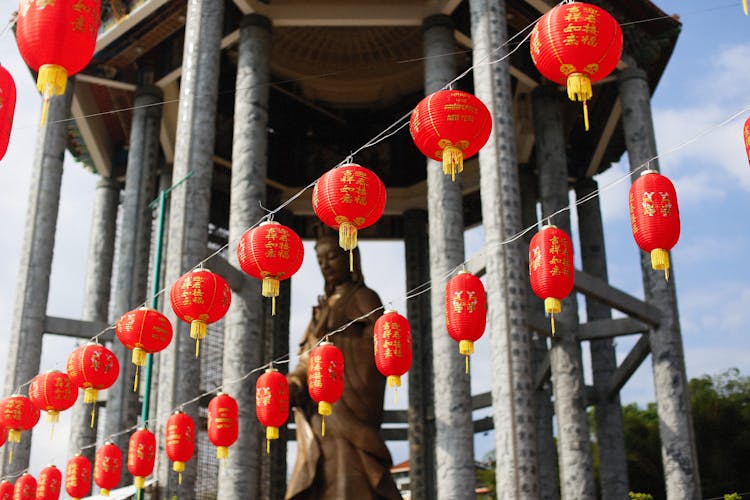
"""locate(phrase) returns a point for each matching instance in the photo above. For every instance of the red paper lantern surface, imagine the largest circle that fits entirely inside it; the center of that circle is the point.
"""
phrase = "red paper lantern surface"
(93, 368)
(3, 436)
(551, 268)
(576, 44)
(747, 138)
(272, 403)
(6, 490)
(25, 487)
(50, 483)
(325, 378)
(17, 414)
(223, 423)
(655, 217)
(57, 39)
(349, 198)
(7, 108)
(392, 339)
(270, 252)
(450, 126)
(465, 311)
(180, 440)
(143, 331)
(78, 477)
(141, 456)
(200, 297)
(107, 467)
(53, 392)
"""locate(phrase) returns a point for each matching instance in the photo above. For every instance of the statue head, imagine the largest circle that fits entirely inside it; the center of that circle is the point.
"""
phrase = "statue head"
(334, 260)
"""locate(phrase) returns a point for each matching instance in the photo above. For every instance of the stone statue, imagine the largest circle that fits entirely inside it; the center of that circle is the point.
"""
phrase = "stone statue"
(351, 461)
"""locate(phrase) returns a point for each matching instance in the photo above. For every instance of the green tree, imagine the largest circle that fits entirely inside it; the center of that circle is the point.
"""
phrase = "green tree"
(643, 449)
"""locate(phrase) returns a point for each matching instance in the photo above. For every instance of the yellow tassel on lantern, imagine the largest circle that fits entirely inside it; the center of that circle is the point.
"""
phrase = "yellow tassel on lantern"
(270, 288)
(552, 306)
(660, 261)
(179, 468)
(222, 452)
(579, 89)
(348, 240)
(466, 347)
(324, 409)
(271, 433)
(197, 332)
(104, 492)
(453, 161)
(139, 482)
(744, 6)
(51, 81)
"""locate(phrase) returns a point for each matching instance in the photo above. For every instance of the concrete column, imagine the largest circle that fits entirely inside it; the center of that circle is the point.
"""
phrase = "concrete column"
(670, 380)
(96, 296)
(610, 436)
(454, 439)
(573, 441)
(506, 276)
(238, 477)
(179, 371)
(133, 243)
(32, 286)
(421, 412)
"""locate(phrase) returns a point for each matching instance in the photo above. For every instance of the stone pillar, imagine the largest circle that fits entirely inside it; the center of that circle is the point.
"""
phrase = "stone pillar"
(131, 280)
(506, 272)
(238, 477)
(454, 433)
(421, 412)
(179, 371)
(96, 297)
(670, 380)
(32, 286)
(613, 466)
(573, 440)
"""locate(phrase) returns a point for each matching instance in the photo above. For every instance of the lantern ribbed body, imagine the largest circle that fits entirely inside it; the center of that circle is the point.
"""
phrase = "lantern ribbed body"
(450, 126)
(7, 108)
(107, 467)
(746, 135)
(3, 437)
(78, 477)
(223, 423)
(141, 456)
(465, 309)
(200, 297)
(25, 488)
(6, 490)
(49, 484)
(93, 367)
(325, 374)
(392, 344)
(270, 252)
(180, 438)
(349, 198)
(53, 392)
(17, 414)
(272, 399)
(551, 268)
(143, 331)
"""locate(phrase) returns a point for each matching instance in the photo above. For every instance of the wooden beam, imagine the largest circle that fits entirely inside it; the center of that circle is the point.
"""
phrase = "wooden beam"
(539, 324)
(605, 138)
(76, 328)
(93, 131)
(168, 129)
(602, 291)
(608, 328)
(141, 12)
(629, 365)
(543, 373)
(482, 400)
(105, 82)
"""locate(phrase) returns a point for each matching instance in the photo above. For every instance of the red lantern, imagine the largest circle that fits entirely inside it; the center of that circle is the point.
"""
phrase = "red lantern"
(747, 138)
(551, 268)
(57, 39)
(200, 297)
(50, 484)
(25, 488)
(270, 252)
(392, 339)
(6, 490)
(143, 331)
(78, 477)
(349, 198)
(17, 414)
(53, 392)
(450, 126)
(3, 436)
(141, 456)
(272, 403)
(93, 368)
(7, 108)
(655, 217)
(223, 423)
(325, 378)
(180, 441)
(465, 311)
(576, 44)
(107, 467)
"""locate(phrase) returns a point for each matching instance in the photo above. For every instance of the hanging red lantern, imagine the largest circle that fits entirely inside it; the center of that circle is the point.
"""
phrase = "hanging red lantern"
(747, 138)
(270, 252)
(3, 435)
(576, 44)
(53, 392)
(25, 488)
(223, 423)
(349, 198)
(50, 483)
(141, 456)
(7, 108)
(272, 403)
(107, 467)
(325, 378)
(655, 217)
(200, 297)
(78, 477)
(392, 344)
(450, 126)
(17, 414)
(57, 39)
(143, 331)
(6, 490)
(93, 368)
(180, 441)
(465, 311)
(551, 268)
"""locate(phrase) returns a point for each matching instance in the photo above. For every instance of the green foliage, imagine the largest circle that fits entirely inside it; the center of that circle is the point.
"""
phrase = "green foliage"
(640, 496)
(643, 449)
(732, 496)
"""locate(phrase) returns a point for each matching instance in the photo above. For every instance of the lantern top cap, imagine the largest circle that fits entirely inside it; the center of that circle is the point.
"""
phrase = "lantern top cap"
(266, 222)
(271, 369)
(52, 371)
(177, 412)
(198, 269)
(325, 342)
(548, 226)
(648, 172)
(389, 311)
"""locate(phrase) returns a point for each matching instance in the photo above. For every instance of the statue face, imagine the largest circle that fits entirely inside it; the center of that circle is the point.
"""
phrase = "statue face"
(334, 262)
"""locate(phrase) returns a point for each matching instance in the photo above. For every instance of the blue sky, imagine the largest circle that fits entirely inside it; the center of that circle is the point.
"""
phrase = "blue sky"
(706, 82)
